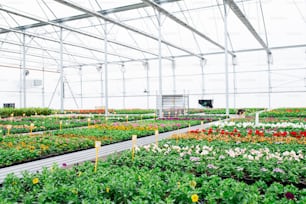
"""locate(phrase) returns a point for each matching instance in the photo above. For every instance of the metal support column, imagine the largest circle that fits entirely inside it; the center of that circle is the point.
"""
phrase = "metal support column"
(147, 90)
(123, 85)
(25, 73)
(43, 85)
(173, 75)
(61, 71)
(99, 69)
(234, 63)
(226, 58)
(160, 84)
(106, 68)
(20, 86)
(269, 79)
(81, 85)
(202, 64)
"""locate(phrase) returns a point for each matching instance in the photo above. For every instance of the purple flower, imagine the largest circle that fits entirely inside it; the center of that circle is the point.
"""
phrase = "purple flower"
(195, 159)
(211, 166)
(278, 170)
(289, 196)
(64, 165)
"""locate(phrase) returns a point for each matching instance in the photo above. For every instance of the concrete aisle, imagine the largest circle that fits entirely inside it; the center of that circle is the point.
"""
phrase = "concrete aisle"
(85, 155)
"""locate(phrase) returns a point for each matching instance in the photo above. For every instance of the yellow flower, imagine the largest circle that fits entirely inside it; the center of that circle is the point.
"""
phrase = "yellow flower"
(35, 181)
(193, 184)
(107, 189)
(194, 198)
(178, 184)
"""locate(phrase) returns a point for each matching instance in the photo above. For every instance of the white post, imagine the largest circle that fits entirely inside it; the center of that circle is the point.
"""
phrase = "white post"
(160, 85)
(202, 64)
(269, 79)
(123, 85)
(257, 118)
(106, 68)
(146, 65)
(234, 62)
(61, 71)
(101, 81)
(43, 81)
(81, 85)
(226, 58)
(24, 70)
(173, 75)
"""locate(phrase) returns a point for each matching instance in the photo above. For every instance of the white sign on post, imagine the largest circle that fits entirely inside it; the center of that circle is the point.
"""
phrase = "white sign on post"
(257, 119)
(97, 144)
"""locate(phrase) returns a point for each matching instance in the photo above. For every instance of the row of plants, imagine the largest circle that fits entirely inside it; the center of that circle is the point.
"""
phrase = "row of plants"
(287, 112)
(280, 119)
(223, 110)
(22, 124)
(194, 172)
(9, 112)
(17, 148)
(117, 132)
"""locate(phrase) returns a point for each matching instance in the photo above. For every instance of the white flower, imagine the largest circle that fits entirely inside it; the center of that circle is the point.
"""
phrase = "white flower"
(204, 152)
(221, 157)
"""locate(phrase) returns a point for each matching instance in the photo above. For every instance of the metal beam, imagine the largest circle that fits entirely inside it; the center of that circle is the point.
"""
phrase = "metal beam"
(66, 43)
(205, 54)
(98, 15)
(177, 20)
(234, 7)
(73, 30)
(83, 16)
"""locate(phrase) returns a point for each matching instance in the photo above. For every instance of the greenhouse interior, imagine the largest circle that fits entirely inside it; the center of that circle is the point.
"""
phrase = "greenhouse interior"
(152, 101)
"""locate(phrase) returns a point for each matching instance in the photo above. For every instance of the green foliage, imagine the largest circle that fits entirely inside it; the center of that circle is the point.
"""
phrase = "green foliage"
(6, 112)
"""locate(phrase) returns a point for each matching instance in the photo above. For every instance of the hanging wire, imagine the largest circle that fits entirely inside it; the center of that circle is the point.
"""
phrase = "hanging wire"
(6, 21)
(146, 24)
(192, 22)
(228, 35)
(215, 21)
(103, 29)
(264, 23)
(48, 9)
(299, 10)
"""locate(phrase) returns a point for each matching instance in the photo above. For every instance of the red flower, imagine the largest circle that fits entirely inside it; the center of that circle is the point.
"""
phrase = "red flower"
(289, 196)
(293, 133)
(250, 131)
(276, 134)
(222, 132)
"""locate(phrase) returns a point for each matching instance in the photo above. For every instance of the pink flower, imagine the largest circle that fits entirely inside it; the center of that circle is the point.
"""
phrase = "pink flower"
(194, 159)
(278, 170)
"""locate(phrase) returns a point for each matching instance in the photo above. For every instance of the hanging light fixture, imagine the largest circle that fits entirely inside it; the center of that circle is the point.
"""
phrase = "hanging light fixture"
(99, 67)
(26, 72)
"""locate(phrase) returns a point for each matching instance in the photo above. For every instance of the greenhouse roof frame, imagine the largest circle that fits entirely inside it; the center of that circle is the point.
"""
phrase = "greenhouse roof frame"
(234, 7)
(70, 29)
(192, 29)
(99, 15)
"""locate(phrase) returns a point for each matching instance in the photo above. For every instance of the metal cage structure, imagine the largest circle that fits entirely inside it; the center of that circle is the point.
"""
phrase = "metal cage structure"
(128, 54)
